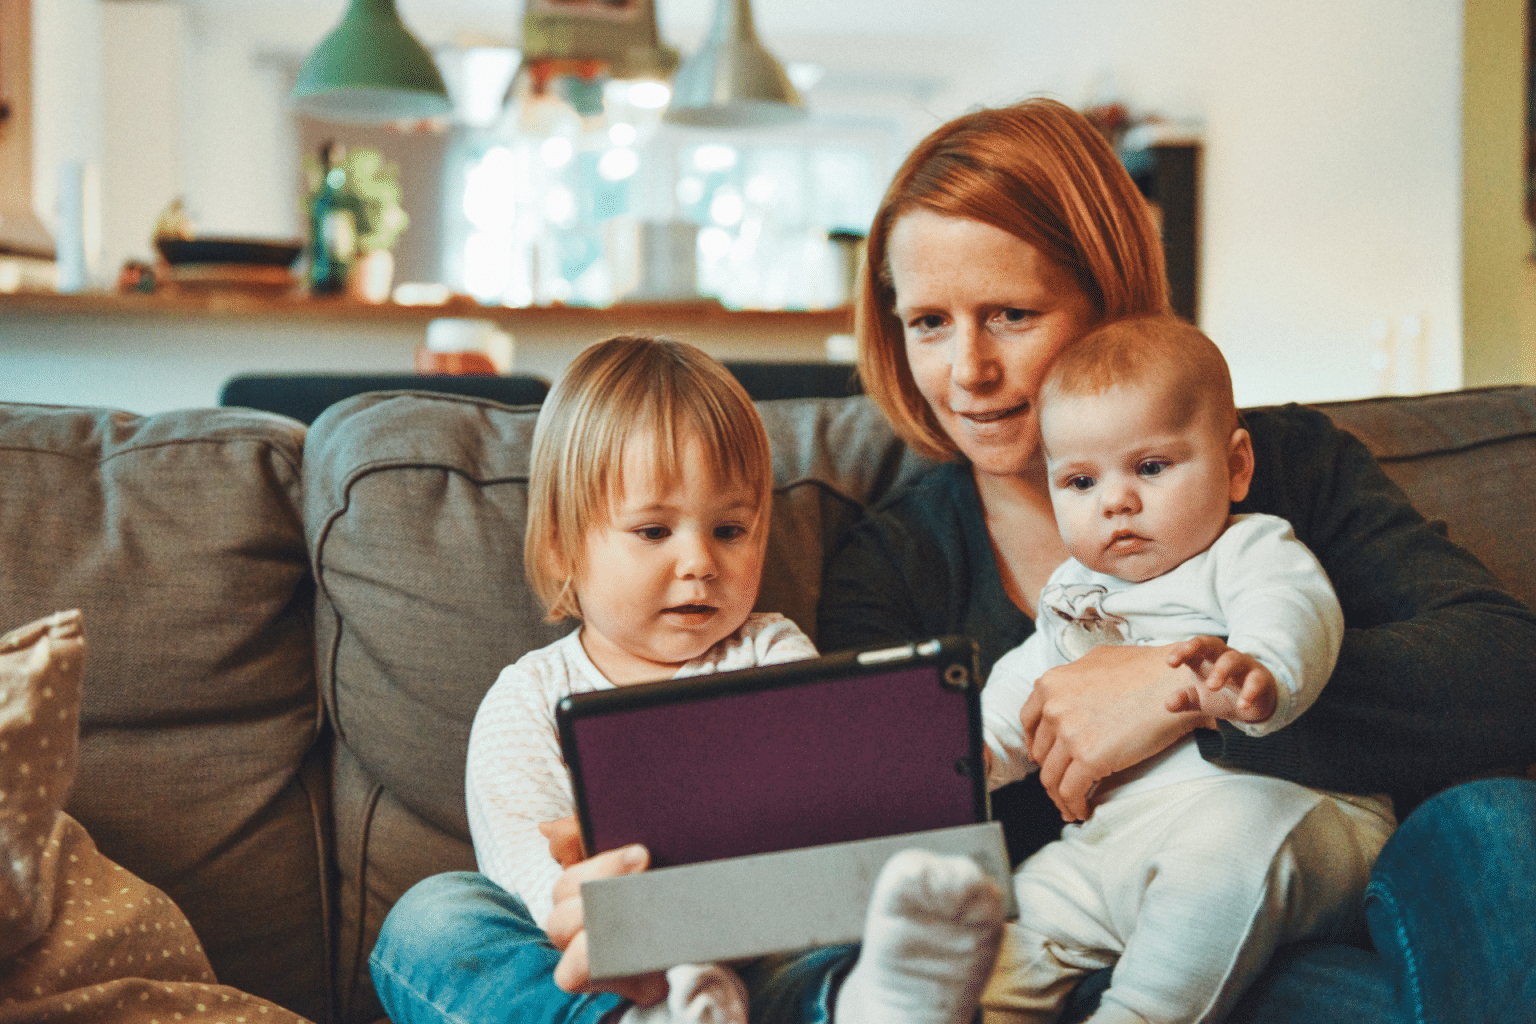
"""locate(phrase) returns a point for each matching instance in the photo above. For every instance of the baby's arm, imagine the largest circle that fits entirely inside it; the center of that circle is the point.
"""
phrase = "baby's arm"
(515, 781)
(1002, 699)
(1281, 613)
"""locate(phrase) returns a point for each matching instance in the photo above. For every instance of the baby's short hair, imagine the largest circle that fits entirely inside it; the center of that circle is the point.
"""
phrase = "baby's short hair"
(613, 391)
(1159, 350)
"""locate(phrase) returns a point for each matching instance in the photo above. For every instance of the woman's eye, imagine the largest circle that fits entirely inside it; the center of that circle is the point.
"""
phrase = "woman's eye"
(1015, 316)
(1080, 483)
(652, 533)
(1151, 467)
(930, 322)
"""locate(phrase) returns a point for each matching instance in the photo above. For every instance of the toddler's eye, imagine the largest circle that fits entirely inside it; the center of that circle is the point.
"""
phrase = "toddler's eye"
(730, 532)
(652, 533)
(1081, 482)
(1152, 467)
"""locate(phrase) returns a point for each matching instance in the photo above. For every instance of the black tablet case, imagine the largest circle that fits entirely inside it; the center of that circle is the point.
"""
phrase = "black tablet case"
(851, 746)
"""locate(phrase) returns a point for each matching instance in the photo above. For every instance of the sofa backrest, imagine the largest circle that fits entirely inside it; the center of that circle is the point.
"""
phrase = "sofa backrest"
(1465, 458)
(415, 508)
(180, 539)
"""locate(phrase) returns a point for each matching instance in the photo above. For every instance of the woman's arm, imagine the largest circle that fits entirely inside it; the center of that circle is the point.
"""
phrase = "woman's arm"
(1436, 677)
(920, 566)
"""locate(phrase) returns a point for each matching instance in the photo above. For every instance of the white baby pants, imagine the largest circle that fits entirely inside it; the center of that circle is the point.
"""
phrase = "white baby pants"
(1185, 890)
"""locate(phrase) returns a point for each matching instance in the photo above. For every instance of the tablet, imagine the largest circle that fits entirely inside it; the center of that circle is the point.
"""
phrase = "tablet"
(855, 745)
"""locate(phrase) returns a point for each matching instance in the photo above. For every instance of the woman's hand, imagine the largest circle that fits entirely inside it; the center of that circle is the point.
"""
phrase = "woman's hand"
(1101, 714)
(567, 929)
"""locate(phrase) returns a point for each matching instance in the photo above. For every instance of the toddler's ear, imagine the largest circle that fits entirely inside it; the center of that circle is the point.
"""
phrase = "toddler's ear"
(1239, 464)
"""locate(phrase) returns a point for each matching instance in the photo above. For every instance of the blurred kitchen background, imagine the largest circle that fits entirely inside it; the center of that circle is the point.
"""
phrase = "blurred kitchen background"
(1361, 187)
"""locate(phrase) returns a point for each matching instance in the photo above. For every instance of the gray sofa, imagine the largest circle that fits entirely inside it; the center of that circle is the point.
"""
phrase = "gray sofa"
(288, 636)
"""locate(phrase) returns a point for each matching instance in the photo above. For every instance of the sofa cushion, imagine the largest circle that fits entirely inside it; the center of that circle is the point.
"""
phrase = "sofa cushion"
(1466, 458)
(415, 505)
(179, 538)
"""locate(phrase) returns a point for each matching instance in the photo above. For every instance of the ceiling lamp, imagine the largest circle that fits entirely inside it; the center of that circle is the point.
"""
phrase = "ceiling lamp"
(371, 69)
(733, 81)
(616, 38)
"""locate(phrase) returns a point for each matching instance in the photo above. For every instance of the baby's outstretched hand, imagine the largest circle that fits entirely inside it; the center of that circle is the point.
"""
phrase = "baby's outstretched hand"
(1232, 685)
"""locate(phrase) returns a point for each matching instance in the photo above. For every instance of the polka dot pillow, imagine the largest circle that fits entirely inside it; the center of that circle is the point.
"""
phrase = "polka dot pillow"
(40, 668)
(82, 941)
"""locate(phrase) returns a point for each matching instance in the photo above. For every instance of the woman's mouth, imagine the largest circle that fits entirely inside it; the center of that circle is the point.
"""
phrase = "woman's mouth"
(995, 415)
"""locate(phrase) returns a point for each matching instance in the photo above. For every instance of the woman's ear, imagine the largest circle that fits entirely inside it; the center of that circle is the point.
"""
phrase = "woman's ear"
(1239, 464)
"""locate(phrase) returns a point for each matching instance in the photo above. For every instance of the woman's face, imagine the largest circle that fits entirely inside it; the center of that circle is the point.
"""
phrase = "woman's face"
(983, 314)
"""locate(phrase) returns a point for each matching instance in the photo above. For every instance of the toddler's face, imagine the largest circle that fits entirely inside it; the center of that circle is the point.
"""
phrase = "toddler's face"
(675, 569)
(1135, 493)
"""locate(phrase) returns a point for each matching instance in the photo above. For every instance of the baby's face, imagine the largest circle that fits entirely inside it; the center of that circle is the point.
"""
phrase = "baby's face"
(673, 571)
(1135, 492)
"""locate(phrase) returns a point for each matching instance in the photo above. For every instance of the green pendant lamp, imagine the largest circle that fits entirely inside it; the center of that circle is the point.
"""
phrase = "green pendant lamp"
(733, 81)
(370, 69)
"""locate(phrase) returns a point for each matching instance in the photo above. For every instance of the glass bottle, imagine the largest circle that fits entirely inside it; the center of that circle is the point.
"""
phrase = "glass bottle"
(333, 213)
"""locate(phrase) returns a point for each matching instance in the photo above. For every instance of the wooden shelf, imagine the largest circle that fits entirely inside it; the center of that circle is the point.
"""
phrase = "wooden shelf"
(234, 304)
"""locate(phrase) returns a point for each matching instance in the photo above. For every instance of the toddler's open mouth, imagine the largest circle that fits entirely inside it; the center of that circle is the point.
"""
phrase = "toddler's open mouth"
(690, 609)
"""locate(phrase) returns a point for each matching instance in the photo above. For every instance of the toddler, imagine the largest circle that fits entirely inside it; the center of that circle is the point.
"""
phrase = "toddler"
(649, 497)
(1186, 876)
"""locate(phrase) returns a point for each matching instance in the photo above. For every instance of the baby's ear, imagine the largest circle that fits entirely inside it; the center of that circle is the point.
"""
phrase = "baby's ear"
(1239, 464)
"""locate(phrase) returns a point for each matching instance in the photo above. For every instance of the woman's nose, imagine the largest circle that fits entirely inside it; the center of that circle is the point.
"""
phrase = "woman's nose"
(973, 363)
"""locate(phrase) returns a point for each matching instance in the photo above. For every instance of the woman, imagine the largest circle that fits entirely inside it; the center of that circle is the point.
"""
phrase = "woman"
(1005, 236)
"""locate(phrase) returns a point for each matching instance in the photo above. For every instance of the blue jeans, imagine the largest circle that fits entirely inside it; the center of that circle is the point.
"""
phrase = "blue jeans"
(1451, 908)
(459, 949)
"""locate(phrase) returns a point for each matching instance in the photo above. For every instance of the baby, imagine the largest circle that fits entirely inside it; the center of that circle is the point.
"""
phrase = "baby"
(1187, 876)
(649, 497)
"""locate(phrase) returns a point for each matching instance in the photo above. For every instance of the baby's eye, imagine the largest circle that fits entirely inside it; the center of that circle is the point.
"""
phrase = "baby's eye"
(1080, 482)
(731, 531)
(652, 533)
(1151, 467)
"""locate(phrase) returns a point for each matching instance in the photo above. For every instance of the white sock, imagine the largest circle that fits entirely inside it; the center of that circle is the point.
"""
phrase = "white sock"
(696, 994)
(930, 942)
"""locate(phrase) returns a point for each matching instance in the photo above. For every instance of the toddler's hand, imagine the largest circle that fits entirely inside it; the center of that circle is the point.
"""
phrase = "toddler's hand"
(566, 927)
(1232, 685)
(564, 835)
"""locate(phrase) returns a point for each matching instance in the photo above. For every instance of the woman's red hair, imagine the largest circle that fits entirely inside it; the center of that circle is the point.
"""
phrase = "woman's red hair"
(1041, 172)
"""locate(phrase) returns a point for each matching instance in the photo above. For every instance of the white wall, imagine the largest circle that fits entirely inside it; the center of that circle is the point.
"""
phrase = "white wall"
(141, 118)
(66, 105)
(1332, 202)
(1331, 205)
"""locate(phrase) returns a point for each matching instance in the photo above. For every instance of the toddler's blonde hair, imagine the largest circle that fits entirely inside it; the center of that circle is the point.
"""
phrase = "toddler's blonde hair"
(616, 390)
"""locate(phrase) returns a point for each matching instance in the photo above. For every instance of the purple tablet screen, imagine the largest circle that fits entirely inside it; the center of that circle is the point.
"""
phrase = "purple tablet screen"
(738, 773)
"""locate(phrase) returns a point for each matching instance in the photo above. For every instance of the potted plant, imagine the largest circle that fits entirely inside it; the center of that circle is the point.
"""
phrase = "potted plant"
(355, 220)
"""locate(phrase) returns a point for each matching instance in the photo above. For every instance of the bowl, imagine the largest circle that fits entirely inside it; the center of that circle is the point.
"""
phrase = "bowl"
(246, 251)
